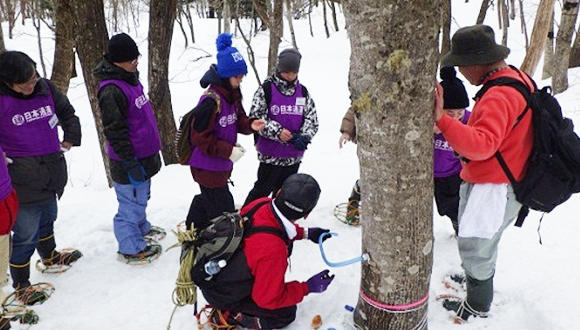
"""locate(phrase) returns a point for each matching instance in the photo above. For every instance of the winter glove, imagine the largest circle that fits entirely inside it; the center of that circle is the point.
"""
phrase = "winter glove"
(237, 152)
(319, 282)
(315, 232)
(300, 141)
(135, 172)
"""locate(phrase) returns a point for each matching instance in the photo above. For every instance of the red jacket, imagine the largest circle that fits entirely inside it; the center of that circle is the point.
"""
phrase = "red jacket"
(489, 129)
(8, 210)
(267, 258)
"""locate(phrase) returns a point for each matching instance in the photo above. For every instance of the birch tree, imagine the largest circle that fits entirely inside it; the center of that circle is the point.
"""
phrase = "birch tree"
(563, 40)
(538, 38)
(391, 86)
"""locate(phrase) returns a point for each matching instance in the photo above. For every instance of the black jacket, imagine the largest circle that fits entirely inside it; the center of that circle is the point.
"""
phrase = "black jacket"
(114, 107)
(38, 179)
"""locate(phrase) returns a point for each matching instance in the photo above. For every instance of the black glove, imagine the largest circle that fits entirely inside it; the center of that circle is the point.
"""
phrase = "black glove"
(135, 172)
(314, 234)
(300, 141)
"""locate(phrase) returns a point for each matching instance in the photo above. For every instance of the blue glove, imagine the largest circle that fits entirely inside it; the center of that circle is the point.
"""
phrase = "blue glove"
(315, 232)
(319, 282)
(135, 172)
(300, 141)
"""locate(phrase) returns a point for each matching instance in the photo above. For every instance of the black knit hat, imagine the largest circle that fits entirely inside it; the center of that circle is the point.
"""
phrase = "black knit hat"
(474, 45)
(122, 48)
(298, 196)
(16, 67)
(454, 93)
(289, 60)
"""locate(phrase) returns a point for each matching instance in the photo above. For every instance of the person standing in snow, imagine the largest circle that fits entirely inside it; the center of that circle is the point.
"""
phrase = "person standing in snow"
(8, 212)
(251, 291)
(348, 133)
(487, 204)
(446, 166)
(133, 146)
(32, 108)
(218, 118)
(291, 123)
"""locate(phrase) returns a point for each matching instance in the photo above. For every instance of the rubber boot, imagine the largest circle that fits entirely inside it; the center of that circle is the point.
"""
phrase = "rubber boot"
(26, 293)
(479, 294)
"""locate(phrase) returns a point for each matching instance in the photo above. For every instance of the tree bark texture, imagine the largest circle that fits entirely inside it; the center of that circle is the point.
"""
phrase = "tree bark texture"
(2, 45)
(324, 17)
(538, 37)
(482, 12)
(505, 22)
(91, 44)
(575, 52)
(227, 14)
(391, 86)
(290, 22)
(276, 30)
(547, 68)
(161, 18)
(563, 45)
(64, 58)
(445, 26)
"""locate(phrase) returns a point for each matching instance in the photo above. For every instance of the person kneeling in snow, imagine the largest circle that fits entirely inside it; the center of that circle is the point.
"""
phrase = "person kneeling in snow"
(268, 302)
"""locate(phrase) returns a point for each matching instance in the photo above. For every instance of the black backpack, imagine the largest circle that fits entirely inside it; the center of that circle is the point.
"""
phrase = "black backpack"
(223, 240)
(552, 172)
(183, 146)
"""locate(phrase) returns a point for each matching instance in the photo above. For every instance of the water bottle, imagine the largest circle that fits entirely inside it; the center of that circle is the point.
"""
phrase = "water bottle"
(213, 267)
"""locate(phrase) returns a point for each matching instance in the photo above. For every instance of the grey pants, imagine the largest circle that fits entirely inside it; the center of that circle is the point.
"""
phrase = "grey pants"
(479, 255)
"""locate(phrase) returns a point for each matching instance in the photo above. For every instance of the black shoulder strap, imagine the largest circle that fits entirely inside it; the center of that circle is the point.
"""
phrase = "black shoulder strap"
(250, 229)
(267, 87)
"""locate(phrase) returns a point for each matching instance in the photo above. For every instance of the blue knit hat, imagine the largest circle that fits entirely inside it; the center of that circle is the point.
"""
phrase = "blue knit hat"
(230, 62)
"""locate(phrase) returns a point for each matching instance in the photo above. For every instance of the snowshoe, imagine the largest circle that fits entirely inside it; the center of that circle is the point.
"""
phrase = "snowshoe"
(151, 253)
(455, 282)
(28, 316)
(156, 233)
(211, 318)
(34, 294)
(462, 309)
(60, 262)
(342, 214)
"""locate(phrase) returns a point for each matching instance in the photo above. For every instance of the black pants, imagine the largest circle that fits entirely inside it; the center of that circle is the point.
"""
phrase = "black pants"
(210, 203)
(270, 179)
(447, 197)
(249, 315)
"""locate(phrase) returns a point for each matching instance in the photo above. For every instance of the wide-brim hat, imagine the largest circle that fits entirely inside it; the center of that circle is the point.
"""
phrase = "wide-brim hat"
(474, 45)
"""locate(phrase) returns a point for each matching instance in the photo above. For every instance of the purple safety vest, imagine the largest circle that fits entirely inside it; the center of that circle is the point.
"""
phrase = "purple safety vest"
(226, 128)
(28, 127)
(143, 133)
(288, 111)
(5, 183)
(444, 161)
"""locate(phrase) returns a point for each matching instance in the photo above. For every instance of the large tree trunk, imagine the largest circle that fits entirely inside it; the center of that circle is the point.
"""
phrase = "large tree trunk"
(548, 66)
(89, 17)
(64, 58)
(161, 18)
(563, 41)
(445, 26)
(482, 12)
(538, 38)
(276, 30)
(391, 85)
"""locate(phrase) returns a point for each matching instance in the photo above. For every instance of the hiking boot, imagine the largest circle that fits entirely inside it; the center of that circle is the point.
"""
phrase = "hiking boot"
(352, 214)
(62, 258)
(156, 233)
(151, 252)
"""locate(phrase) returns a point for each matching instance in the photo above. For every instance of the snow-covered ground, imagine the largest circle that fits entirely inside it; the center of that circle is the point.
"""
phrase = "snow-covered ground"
(536, 286)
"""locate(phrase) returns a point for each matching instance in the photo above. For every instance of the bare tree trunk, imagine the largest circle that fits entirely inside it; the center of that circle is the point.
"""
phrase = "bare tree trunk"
(276, 30)
(10, 17)
(309, 17)
(482, 12)
(391, 85)
(538, 37)
(36, 23)
(333, 9)
(115, 4)
(2, 45)
(89, 17)
(189, 18)
(290, 24)
(161, 18)
(575, 51)
(513, 9)
(64, 59)
(23, 7)
(324, 17)
(445, 26)
(523, 23)
(251, 57)
(227, 14)
(563, 41)
(505, 22)
(180, 23)
(548, 67)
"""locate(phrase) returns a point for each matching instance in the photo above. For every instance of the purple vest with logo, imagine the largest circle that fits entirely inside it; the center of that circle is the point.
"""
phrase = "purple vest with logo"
(286, 110)
(226, 128)
(444, 161)
(28, 127)
(5, 183)
(143, 133)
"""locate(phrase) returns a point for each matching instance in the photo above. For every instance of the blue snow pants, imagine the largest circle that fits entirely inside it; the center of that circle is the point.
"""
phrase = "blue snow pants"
(130, 222)
(32, 222)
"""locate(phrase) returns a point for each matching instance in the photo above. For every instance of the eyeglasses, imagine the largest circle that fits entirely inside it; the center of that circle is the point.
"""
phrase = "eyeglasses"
(135, 61)
(28, 86)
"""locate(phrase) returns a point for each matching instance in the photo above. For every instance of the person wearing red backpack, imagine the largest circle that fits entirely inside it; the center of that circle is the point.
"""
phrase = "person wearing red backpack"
(487, 203)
